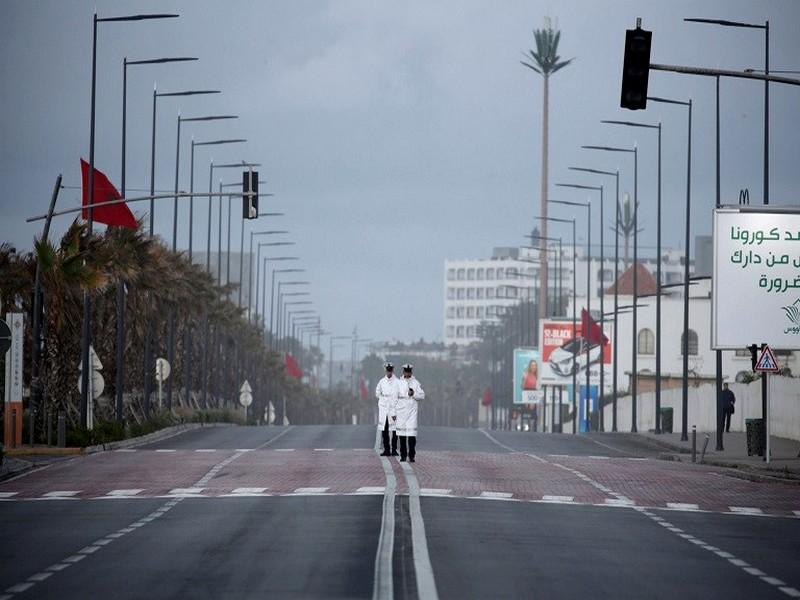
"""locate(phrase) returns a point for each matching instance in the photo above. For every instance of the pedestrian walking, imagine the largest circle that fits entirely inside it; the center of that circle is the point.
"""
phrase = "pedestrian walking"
(386, 392)
(410, 392)
(728, 401)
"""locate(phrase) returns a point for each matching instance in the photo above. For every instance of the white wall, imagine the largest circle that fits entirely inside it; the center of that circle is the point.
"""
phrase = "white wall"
(784, 406)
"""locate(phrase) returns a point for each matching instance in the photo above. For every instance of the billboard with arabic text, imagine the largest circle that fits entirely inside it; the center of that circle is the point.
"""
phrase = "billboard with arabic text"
(756, 290)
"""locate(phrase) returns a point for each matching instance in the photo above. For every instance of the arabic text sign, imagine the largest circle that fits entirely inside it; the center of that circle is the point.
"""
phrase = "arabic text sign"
(756, 279)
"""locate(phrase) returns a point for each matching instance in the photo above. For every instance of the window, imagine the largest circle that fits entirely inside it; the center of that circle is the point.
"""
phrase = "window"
(470, 312)
(460, 331)
(489, 293)
(470, 293)
(451, 293)
(460, 293)
(470, 274)
(460, 274)
(451, 312)
(471, 331)
(692, 343)
(479, 312)
(512, 292)
(450, 331)
(511, 273)
(606, 274)
(490, 274)
(480, 274)
(479, 293)
(460, 312)
(500, 292)
(646, 342)
(451, 274)
(490, 311)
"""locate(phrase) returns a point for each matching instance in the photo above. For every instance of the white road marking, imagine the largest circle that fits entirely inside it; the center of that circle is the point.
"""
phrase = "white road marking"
(382, 581)
(284, 449)
(558, 498)
(754, 571)
(248, 490)
(790, 591)
(426, 585)
(125, 450)
(89, 550)
(61, 494)
(40, 576)
(132, 492)
(10, 494)
(682, 506)
(57, 567)
(245, 449)
(378, 489)
(165, 450)
(20, 587)
(191, 491)
(311, 490)
(434, 492)
(205, 450)
(773, 581)
(74, 558)
(501, 444)
(323, 449)
(796, 513)
(746, 510)
(599, 457)
(497, 495)
(619, 501)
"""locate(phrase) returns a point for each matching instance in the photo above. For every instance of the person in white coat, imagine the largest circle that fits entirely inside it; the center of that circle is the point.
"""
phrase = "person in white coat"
(410, 392)
(386, 392)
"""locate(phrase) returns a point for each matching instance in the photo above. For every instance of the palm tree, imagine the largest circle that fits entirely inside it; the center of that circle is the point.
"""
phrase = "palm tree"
(626, 224)
(545, 61)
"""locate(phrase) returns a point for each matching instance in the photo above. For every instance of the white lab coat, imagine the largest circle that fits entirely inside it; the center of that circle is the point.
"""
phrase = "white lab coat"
(386, 392)
(407, 406)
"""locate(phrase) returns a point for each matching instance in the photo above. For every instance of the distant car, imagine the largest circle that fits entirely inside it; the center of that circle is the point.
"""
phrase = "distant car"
(571, 356)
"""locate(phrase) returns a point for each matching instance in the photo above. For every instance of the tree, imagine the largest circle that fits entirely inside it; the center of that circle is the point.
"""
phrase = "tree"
(626, 224)
(545, 61)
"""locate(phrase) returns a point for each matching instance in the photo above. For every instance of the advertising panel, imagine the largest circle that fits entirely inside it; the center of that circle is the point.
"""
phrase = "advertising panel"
(563, 351)
(527, 382)
(756, 293)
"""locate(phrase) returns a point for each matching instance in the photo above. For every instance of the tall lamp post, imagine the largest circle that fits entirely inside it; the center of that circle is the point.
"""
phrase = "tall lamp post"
(574, 319)
(601, 393)
(634, 374)
(120, 284)
(614, 174)
(330, 356)
(258, 271)
(86, 329)
(272, 295)
(250, 288)
(686, 283)
(588, 206)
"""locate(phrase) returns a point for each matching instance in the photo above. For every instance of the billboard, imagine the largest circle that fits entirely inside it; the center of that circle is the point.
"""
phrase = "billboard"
(756, 292)
(563, 351)
(527, 382)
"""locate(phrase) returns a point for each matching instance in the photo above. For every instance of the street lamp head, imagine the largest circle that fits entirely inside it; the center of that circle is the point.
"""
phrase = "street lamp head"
(218, 142)
(726, 23)
(595, 171)
(237, 165)
(580, 186)
(276, 244)
(629, 124)
(609, 148)
(187, 93)
(270, 232)
(568, 203)
(667, 100)
(144, 17)
(160, 61)
(289, 270)
(208, 118)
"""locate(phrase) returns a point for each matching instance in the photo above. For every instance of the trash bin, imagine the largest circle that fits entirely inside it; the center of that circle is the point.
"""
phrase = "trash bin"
(666, 419)
(756, 437)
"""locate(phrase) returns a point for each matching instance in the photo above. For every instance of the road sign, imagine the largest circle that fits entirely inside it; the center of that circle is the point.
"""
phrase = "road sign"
(96, 384)
(245, 399)
(94, 359)
(162, 369)
(5, 337)
(766, 362)
(246, 387)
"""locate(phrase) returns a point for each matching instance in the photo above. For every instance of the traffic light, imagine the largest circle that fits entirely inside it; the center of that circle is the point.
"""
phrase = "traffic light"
(250, 197)
(636, 68)
(753, 355)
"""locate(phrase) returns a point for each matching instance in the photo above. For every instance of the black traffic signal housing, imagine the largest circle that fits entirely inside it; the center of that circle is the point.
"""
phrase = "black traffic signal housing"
(636, 68)
(250, 197)
(753, 355)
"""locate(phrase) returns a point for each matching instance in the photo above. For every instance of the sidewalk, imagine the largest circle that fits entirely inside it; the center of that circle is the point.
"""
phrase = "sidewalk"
(784, 460)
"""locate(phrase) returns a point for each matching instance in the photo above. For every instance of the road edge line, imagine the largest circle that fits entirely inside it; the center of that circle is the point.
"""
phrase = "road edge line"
(426, 584)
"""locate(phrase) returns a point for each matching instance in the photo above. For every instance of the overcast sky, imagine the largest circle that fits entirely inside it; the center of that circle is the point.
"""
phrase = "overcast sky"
(393, 134)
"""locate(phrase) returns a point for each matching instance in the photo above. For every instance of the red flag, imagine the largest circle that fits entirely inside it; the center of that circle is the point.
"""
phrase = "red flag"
(486, 399)
(591, 330)
(362, 388)
(292, 368)
(104, 191)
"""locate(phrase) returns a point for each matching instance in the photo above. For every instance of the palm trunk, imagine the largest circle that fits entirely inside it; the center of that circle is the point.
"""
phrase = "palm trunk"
(543, 207)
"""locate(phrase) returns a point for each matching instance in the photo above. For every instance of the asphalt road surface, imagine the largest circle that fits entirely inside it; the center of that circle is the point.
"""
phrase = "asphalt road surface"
(314, 512)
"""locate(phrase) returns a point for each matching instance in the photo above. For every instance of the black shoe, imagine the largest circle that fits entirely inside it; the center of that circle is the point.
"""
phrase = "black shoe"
(385, 454)
(395, 453)
(402, 459)
(411, 460)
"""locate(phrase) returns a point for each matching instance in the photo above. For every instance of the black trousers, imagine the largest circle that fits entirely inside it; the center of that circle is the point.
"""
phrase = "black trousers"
(727, 418)
(408, 446)
(385, 436)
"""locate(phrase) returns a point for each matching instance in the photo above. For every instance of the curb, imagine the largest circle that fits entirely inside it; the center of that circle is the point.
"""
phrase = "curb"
(24, 468)
(156, 436)
(735, 470)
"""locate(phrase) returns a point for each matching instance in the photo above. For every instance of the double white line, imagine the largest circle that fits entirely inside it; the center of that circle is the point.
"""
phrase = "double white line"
(383, 586)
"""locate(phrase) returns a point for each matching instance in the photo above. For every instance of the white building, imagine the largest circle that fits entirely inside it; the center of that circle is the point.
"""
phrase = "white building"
(478, 290)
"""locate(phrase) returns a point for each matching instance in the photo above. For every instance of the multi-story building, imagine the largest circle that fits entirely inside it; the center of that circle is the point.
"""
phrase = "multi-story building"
(479, 290)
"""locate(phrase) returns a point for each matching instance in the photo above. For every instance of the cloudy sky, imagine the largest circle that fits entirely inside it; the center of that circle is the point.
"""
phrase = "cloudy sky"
(393, 134)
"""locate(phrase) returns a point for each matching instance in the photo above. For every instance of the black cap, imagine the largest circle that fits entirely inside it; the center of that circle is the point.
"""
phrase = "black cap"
(407, 368)
(388, 366)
